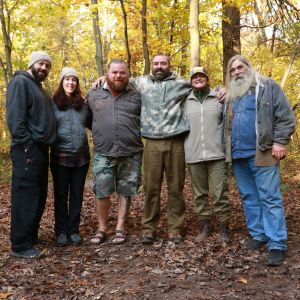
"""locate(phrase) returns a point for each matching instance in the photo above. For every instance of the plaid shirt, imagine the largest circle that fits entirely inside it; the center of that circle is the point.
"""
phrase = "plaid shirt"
(71, 160)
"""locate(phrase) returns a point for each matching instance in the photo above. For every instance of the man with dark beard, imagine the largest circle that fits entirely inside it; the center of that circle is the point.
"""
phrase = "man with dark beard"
(259, 125)
(116, 109)
(164, 127)
(32, 126)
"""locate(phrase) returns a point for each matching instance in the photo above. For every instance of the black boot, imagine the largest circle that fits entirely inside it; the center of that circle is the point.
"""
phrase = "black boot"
(224, 230)
(204, 231)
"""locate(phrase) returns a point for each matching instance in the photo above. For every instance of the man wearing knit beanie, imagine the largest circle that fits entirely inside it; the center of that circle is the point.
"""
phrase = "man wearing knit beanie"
(39, 65)
(32, 127)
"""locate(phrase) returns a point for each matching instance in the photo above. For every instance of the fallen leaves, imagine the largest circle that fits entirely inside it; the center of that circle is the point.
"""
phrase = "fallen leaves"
(243, 280)
(5, 295)
(190, 270)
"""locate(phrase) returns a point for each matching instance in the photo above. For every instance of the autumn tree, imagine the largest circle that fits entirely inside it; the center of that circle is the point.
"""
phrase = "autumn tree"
(145, 37)
(97, 38)
(5, 20)
(230, 33)
(194, 33)
(128, 54)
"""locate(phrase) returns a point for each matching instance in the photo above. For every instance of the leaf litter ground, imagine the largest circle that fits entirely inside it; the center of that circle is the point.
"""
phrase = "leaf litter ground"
(190, 270)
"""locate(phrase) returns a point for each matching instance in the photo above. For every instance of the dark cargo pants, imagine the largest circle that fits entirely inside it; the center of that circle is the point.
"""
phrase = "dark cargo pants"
(28, 194)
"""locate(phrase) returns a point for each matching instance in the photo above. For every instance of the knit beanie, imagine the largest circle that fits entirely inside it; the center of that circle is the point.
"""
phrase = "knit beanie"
(67, 71)
(38, 55)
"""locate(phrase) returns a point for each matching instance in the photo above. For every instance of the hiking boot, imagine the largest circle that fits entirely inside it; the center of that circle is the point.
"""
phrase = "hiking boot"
(30, 253)
(75, 239)
(255, 244)
(62, 240)
(275, 258)
(175, 238)
(224, 230)
(204, 231)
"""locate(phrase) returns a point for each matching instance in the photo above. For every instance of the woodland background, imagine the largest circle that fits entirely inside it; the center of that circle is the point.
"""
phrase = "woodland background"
(87, 34)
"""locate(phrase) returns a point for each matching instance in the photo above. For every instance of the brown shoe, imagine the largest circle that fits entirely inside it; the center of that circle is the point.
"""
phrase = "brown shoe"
(224, 230)
(204, 231)
(175, 238)
(147, 238)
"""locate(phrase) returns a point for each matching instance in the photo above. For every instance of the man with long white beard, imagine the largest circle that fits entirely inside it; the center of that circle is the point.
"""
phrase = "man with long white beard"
(259, 125)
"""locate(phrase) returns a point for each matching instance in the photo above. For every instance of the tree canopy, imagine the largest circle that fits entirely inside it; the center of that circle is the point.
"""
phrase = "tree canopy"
(137, 29)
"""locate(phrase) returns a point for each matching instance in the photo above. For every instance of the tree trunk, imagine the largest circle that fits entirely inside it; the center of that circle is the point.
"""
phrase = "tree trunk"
(293, 57)
(260, 19)
(171, 38)
(63, 38)
(231, 35)
(97, 38)
(272, 51)
(194, 33)
(144, 37)
(126, 36)
(5, 26)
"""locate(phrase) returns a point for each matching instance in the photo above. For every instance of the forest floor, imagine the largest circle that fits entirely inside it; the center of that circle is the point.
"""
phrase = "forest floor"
(190, 270)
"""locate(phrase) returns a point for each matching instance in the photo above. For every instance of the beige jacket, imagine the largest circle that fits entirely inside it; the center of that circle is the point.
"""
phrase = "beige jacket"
(205, 140)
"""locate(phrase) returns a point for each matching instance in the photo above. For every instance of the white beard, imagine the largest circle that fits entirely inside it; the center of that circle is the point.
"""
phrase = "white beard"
(239, 87)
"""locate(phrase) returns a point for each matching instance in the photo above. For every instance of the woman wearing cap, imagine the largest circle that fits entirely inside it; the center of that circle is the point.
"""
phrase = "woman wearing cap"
(70, 157)
(205, 154)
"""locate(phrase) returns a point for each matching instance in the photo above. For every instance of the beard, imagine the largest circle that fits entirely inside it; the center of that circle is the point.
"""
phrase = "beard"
(240, 86)
(161, 74)
(117, 86)
(39, 75)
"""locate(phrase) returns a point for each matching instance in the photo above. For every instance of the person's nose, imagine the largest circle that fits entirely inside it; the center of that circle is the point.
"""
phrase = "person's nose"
(43, 67)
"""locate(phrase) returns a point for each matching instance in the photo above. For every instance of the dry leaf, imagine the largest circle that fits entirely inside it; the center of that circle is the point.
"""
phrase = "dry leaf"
(5, 295)
(243, 280)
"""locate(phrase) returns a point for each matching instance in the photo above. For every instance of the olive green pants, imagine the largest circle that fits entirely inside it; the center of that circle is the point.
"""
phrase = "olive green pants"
(164, 156)
(210, 176)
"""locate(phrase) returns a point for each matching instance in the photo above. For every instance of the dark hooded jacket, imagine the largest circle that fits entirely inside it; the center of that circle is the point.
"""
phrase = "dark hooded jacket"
(29, 113)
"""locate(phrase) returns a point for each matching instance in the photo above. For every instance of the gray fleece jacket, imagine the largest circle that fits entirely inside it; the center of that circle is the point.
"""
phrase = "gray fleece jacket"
(205, 140)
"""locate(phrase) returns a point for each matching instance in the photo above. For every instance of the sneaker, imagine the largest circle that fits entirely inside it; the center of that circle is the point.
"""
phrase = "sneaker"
(30, 253)
(75, 239)
(275, 258)
(62, 240)
(255, 244)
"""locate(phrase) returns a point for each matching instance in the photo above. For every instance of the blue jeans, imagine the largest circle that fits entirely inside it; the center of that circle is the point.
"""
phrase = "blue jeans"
(260, 191)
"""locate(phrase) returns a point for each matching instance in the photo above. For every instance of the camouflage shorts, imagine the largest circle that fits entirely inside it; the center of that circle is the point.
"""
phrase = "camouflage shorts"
(116, 174)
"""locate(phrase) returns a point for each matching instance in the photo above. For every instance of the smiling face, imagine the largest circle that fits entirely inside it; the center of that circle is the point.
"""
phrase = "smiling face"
(69, 84)
(40, 70)
(199, 81)
(117, 77)
(161, 67)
